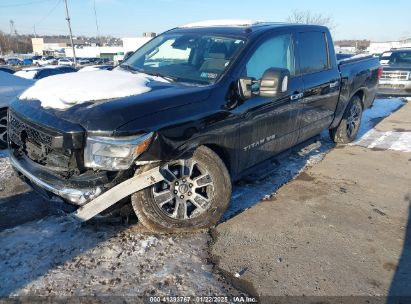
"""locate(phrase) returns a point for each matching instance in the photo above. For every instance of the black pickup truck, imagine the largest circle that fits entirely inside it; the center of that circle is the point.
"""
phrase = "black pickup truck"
(205, 102)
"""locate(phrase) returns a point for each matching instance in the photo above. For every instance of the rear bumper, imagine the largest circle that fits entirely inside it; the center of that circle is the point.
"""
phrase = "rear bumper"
(394, 88)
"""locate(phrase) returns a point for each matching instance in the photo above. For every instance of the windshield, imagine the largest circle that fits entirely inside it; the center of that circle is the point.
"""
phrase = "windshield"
(193, 58)
(400, 58)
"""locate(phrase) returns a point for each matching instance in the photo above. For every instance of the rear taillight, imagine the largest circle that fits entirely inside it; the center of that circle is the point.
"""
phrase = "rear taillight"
(380, 70)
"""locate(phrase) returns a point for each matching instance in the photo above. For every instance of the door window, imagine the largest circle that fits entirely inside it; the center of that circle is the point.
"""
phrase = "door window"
(275, 52)
(313, 52)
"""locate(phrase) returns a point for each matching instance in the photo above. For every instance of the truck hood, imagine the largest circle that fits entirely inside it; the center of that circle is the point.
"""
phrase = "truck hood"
(102, 101)
(396, 67)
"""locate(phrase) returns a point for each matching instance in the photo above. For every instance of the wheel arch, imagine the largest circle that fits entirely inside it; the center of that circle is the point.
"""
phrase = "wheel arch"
(359, 93)
(222, 153)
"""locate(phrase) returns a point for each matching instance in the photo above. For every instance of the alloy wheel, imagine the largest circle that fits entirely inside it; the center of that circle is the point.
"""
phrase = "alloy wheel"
(186, 191)
(353, 120)
(3, 130)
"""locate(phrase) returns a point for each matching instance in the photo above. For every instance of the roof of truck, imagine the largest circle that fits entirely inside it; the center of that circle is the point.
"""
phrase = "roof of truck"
(239, 26)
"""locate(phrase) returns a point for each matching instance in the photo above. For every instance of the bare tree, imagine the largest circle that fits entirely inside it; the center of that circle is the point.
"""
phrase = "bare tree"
(307, 17)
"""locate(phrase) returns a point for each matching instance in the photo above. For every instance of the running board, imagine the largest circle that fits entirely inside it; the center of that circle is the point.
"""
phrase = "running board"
(117, 193)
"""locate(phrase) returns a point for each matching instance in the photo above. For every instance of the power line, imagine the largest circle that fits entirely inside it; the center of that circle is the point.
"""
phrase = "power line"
(23, 4)
(49, 13)
(71, 35)
(95, 16)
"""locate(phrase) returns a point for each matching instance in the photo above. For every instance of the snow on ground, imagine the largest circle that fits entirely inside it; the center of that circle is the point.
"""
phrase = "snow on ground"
(66, 90)
(389, 140)
(27, 74)
(54, 256)
(5, 168)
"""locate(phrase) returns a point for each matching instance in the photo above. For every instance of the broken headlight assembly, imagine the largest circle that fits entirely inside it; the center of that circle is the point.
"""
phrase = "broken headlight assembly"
(114, 153)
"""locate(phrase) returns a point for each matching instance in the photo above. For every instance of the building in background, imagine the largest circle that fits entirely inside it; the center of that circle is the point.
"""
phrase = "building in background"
(48, 46)
(132, 44)
(351, 46)
(61, 47)
(381, 47)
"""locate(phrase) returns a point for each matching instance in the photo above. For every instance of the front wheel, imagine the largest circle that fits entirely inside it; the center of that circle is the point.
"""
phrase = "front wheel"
(348, 128)
(194, 195)
(3, 129)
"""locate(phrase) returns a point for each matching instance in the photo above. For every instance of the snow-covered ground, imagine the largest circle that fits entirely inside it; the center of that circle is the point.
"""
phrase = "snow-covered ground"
(54, 256)
(390, 140)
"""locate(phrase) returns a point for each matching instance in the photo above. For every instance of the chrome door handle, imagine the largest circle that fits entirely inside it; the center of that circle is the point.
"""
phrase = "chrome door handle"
(334, 84)
(296, 96)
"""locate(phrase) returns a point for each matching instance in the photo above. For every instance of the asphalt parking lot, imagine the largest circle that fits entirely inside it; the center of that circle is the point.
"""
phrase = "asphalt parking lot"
(320, 221)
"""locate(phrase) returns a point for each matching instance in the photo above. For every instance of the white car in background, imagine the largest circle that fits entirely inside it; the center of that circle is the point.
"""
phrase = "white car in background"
(10, 87)
(47, 60)
(65, 61)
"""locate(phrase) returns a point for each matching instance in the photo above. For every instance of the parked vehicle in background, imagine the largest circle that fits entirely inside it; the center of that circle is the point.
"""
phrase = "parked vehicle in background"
(10, 87)
(96, 68)
(7, 70)
(83, 61)
(66, 69)
(47, 60)
(36, 59)
(396, 76)
(195, 108)
(39, 73)
(13, 61)
(27, 61)
(65, 61)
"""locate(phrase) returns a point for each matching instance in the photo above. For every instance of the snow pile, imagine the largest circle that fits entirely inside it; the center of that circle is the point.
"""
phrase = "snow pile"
(90, 68)
(53, 257)
(28, 74)
(66, 90)
(380, 109)
(147, 243)
(222, 22)
(388, 140)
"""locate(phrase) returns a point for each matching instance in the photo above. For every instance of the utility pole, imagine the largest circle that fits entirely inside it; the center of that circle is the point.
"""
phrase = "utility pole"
(71, 35)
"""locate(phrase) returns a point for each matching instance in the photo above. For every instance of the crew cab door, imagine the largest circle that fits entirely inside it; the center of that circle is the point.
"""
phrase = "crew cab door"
(269, 125)
(321, 79)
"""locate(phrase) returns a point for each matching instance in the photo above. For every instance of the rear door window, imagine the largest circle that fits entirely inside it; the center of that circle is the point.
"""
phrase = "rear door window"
(313, 50)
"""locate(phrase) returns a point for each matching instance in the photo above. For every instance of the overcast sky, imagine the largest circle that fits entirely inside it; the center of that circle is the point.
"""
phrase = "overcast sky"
(378, 20)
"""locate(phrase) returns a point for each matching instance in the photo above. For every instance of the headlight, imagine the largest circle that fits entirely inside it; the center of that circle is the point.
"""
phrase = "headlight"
(114, 154)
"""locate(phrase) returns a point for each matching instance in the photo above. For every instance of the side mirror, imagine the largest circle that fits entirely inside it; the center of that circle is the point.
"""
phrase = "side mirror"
(244, 87)
(274, 82)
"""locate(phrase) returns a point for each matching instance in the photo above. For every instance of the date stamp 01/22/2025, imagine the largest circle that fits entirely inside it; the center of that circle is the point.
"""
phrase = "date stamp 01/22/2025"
(200, 299)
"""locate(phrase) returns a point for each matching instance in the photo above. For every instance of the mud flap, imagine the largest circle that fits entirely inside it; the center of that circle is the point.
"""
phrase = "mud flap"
(115, 194)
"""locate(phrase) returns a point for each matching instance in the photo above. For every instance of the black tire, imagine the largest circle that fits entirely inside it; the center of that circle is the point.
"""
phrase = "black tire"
(347, 129)
(3, 129)
(181, 213)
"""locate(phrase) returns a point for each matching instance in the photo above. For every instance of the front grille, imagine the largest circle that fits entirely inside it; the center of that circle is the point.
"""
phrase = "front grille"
(20, 131)
(395, 75)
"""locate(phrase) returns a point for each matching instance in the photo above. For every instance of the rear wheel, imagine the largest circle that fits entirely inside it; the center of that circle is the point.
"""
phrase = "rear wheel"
(194, 195)
(349, 125)
(3, 129)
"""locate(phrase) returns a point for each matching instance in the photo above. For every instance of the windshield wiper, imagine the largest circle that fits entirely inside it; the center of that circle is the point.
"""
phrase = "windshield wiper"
(157, 74)
(127, 67)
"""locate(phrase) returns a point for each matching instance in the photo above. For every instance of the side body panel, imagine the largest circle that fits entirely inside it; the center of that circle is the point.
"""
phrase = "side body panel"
(358, 76)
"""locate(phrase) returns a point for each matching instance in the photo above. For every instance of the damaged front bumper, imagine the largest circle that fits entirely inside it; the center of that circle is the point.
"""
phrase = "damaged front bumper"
(48, 183)
(92, 201)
